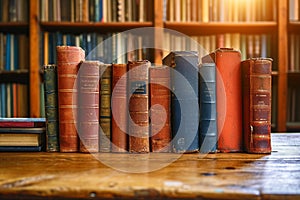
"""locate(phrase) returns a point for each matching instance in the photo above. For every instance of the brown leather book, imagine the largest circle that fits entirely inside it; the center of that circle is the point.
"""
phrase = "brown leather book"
(119, 108)
(160, 101)
(229, 98)
(257, 86)
(88, 107)
(105, 111)
(68, 61)
(138, 106)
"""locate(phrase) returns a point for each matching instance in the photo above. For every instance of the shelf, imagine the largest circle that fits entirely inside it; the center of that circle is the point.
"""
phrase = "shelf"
(294, 26)
(14, 27)
(196, 28)
(17, 76)
(293, 126)
(79, 27)
(293, 79)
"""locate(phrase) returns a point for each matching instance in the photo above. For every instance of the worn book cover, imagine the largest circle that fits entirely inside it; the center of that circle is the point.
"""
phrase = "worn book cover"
(51, 108)
(68, 62)
(257, 88)
(138, 106)
(105, 108)
(208, 108)
(185, 100)
(229, 98)
(119, 108)
(160, 108)
(88, 107)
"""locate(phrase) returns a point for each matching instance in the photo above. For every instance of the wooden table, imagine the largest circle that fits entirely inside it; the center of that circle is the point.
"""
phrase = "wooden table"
(213, 176)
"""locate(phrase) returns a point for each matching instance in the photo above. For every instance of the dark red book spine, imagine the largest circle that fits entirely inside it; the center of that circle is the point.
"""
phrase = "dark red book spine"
(160, 100)
(88, 108)
(229, 98)
(138, 106)
(257, 83)
(119, 108)
(68, 61)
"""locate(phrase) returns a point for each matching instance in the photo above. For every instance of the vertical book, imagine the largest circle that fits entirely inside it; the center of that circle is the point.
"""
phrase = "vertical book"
(119, 108)
(68, 62)
(138, 106)
(105, 111)
(51, 108)
(229, 98)
(256, 73)
(88, 107)
(185, 105)
(208, 108)
(160, 101)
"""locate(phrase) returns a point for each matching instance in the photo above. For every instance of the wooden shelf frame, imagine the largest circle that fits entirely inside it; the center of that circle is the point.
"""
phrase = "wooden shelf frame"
(196, 28)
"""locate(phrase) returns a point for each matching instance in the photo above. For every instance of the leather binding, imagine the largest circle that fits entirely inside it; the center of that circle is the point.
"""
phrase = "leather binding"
(105, 110)
(68, 61)
(185, 100)
(208, 108)
(229, 98)
(119, 108)
(257, 86)
(51, 109)
(88, 108)
(160, 101)
(138, 106)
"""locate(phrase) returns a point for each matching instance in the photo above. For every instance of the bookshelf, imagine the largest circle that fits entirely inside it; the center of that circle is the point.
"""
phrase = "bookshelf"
(278, 25)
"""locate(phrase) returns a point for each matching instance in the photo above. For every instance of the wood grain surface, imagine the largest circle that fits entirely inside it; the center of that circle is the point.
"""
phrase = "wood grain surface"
(213, 176)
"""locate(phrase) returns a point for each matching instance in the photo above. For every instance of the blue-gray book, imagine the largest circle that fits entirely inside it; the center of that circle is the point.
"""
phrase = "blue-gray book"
(208, 113)
(185, 101)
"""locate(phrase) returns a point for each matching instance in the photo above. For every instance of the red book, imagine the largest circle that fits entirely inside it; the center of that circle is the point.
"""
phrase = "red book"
(68, 62)
(119, 108)
(138, 106)
(229, 98)
(88, 108)
(22, 122)
(160, 100)
(257, 86)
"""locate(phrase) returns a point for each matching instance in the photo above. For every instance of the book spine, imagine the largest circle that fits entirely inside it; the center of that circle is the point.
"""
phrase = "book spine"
(105, 111)
(229, 98)
(119, 108)
(208, 108)
(160, 102)
(88, 108)
(138, 106)
(185, 104)
(68, 62)
(51, 109)
(257, 104)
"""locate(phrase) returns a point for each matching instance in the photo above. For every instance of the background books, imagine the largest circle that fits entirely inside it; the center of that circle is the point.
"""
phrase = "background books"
(96, 10)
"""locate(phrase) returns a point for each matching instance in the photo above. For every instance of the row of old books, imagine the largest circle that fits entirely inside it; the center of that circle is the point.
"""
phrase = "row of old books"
(22, 134)
(110, 47)
(14, 10)
(250, 45)
(13, 100)
(14, 54)
(179, 107)
(219, 10)
(96, 10)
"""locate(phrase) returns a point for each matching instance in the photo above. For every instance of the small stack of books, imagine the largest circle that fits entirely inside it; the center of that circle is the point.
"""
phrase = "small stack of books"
(22, 134)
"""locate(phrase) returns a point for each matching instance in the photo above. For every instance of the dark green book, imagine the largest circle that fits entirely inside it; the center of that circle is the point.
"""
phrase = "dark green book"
(51, 110)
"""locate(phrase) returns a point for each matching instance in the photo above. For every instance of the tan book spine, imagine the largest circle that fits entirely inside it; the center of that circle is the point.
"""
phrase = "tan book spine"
(88, 108)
